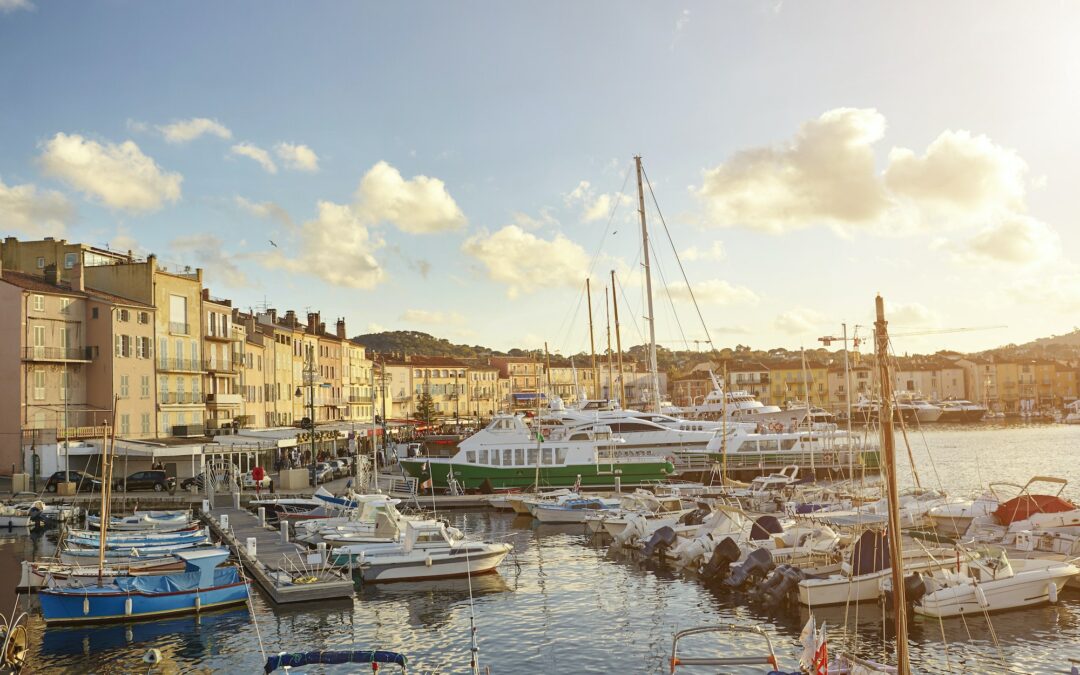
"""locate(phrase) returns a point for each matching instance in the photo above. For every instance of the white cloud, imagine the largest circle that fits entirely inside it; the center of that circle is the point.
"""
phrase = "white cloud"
(432, 317)
(267, 210)
(12, 5)
(527, 222)
(714, 252)
(119, 175)
(299, 157)
(910, 314)
(1057, 292)
(825, 175)
(256, 153)
(190, 129)
(208, 251)
(714, 292)
(594, 207)
(375, 328)
(420, 205)
(123, 241)
(1015, 240)
(336, 247)
(26, 210)
(799, 321)
(959, 174)
(525, 262)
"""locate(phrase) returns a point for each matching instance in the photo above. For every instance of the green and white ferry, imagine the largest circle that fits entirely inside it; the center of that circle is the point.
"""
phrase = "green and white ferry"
(508, 454)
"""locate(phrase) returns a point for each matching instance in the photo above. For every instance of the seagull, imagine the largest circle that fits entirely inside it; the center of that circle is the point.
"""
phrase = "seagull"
(272, 243)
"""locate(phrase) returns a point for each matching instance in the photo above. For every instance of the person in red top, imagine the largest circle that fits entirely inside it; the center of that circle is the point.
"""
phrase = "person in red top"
(257, 475)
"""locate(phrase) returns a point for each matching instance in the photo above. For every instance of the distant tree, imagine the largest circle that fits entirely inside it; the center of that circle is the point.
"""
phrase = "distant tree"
(425, 408)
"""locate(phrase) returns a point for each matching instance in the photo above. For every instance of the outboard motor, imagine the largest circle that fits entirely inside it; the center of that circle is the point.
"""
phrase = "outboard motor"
(765, 527)
(757, 565)
(661, 541)
(781, 588)
(697, 516)
(914, 590)
(725, 553)
(37, 515)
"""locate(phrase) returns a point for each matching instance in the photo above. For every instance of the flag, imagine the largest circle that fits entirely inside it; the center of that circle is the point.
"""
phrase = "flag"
(821, 656)
(426, 484)
(808, 639)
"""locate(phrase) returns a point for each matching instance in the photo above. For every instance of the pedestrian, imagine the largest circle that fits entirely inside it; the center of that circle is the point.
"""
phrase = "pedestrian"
(257, 475)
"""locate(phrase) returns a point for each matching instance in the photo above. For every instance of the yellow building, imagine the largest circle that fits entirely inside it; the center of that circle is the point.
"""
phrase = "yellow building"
(222, 359)
(253, 370)
(791, 383)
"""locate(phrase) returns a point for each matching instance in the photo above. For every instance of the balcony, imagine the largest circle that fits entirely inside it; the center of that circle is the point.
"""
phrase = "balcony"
(81, 354)
(223, 399)
(218, 337)
(180, 398)
(180, 365)
(220, 366)
(359, 399)
(188, 430)
(177, 328)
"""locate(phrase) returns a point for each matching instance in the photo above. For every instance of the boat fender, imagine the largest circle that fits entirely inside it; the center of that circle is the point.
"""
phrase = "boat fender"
(86, 605)
(1051, 592)
(427, 561)
(127, 606)
(198, 603)
(980, 595)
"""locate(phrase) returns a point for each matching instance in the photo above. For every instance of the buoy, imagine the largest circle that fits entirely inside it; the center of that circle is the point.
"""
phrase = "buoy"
(127, 606)
(980, 595)
(85, 605)
(1051, 592)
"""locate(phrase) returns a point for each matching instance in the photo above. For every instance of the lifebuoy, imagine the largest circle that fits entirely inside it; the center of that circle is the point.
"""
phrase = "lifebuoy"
(776, 427)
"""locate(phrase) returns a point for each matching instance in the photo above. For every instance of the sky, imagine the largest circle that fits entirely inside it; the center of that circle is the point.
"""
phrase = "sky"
(462, 168)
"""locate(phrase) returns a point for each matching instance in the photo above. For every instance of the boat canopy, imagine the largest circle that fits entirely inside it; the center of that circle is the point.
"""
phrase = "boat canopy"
(296, 659)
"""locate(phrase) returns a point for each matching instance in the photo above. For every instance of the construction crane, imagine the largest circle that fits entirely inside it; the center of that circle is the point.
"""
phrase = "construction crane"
(943, 331)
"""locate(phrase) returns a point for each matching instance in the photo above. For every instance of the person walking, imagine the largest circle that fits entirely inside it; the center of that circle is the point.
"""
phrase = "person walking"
(257, 475)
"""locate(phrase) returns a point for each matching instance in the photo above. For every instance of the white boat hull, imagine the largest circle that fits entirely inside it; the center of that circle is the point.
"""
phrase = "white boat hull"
(839, 589)
(433, 566)
(1031, 586)
(558, 515)
(11, 522)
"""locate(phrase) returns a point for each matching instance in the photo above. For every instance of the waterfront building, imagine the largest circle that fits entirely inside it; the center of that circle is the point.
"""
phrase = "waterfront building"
(930, 378)
(691, 389)
(280, 379)
(753, 377)
(222, 358)
(253, 371)
(791, 383)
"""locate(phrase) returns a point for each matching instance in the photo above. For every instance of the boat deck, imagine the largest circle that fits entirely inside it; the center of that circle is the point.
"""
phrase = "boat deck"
(273, 556)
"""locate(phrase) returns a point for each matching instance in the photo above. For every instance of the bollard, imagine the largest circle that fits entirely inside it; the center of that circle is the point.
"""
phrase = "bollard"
(321, 548)
(284, 532)
(206, 506)
(225, 522)
(236, 500)
(262, 516)
(251, 544)
(618, 484)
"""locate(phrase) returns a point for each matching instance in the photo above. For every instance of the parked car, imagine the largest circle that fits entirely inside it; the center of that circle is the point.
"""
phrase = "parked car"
(339, 467)
(322, 473)
(155, 480)
(249, 482)
(83, 482)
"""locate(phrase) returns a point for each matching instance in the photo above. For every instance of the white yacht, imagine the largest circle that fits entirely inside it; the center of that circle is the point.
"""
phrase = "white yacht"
(959, 410)
(1074, 413)
(740, 406)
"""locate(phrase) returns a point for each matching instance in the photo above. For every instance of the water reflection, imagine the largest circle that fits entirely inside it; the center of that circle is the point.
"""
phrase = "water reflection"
(431, 603)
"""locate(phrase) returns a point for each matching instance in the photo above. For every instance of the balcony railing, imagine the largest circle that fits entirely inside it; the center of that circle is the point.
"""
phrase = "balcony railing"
(180, 365)
(359, 399)
(188, 430)
(177, 328)
(220, 366)
(59, 353)
(223, 399)
(179, 397)
(216, 335)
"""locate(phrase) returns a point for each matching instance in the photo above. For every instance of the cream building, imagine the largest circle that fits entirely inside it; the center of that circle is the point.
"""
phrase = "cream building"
(222, 359)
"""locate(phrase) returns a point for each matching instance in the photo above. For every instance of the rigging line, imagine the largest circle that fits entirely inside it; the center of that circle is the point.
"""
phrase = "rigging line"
(569, 318)
(611, 218)
(671, 301)
(622, 289)
(667, 232)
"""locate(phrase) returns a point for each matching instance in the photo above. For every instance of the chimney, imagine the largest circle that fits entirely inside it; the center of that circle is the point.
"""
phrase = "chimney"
(290, 319)
(341, 328)
(52, 275)
(78, 278)
(272, 313)
(206, 294)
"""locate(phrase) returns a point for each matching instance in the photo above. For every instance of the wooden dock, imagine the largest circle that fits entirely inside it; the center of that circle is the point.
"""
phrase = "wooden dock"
(287, 572)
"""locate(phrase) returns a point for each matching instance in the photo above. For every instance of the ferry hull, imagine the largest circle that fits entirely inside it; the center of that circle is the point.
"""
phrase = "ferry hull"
(472, 477)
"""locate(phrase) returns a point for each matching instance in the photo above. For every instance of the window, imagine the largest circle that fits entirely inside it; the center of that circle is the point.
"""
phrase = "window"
(125, 342)
(495, 458)
(65, 379)
(470, 456)
(70, 259)
(39, 385)
(39, 303)
(560, 455)
(124, 388)
(41, 263)
(94, 313)
(484, 456)
(519, 456)
(118, 345)
(64, 304)
(507, 456)
(163, 386)
(144, 317)
(125, 424)
(547, 456)
(178, 313)
(124, 315)
(144, 387)
(532, 457)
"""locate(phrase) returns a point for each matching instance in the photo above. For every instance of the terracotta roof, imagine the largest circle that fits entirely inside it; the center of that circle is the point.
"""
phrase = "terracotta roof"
(37, 284)
(426, 361)
(116, 299)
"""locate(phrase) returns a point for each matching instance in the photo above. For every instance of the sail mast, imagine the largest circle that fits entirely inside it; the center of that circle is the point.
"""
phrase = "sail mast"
(592, 342)
(888, 447)
(648, 288)
(618, 343)
(610, 376)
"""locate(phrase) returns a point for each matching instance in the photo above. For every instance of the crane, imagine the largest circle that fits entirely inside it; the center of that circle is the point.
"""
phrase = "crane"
(943, 331)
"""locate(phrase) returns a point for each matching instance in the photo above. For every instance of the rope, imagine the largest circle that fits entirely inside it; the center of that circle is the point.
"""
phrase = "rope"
(250, 602)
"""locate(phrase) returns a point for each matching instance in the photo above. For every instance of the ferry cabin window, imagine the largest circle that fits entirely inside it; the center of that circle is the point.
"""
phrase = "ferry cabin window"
(580, 436)
(547, 456)
(767, 446)
(507, 456)
(470, 456)
(560, 455)
(495, 458)
(787, 444)
(519, 456)
(532, 457)
(484, 456)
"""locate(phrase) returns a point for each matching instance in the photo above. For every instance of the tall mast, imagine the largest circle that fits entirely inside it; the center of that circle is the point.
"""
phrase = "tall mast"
(610, 378)
(648, 288)
(592, 342)
(806, 390)
(888, 447)
(618, 342)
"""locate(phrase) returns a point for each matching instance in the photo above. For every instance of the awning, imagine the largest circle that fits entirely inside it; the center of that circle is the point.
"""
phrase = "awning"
(528, 396)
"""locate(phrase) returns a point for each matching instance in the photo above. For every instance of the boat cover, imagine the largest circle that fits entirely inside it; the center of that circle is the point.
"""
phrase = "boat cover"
(1022, 507)
(347, 656)
(765, 527)
(871, 553)
(155, 584)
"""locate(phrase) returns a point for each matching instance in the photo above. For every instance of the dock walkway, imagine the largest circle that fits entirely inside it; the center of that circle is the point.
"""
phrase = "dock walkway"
(276, 565)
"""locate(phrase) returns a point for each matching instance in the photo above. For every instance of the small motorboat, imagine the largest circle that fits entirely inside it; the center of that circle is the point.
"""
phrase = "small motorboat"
(289, 660)
(36, 574)
(572, 510)
(429, 550)
(141, 521)
(954, 519)
(19, 515)
(205, 584)
(82, 556)
(991, 583)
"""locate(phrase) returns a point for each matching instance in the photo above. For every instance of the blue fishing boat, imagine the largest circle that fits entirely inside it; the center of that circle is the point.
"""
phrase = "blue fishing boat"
(295, 659)
(204, 585)
(115, 540)
(75, 555)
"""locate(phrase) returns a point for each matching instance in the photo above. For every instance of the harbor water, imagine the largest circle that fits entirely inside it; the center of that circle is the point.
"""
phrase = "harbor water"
(562, 602)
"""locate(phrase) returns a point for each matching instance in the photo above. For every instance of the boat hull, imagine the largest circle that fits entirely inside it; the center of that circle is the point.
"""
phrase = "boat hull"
(442, 566)
(61, 608)
(838, 590)
(1026, 589)
(473, 476)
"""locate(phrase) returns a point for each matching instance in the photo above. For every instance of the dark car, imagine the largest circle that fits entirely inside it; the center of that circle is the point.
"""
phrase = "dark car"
(155, 480)
(83, 482)
(198, 481)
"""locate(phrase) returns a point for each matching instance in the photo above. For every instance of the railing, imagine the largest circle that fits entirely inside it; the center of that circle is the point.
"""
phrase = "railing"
(182, 365)
(80, 432)
(188, 430)
(217, 335)
(179, 397)
(224, 399)
(359, 399)
(177, 328)
(58, 353)
(220, 366)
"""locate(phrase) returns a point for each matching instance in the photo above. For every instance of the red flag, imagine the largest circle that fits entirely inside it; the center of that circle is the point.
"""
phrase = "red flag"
(426, 484)
(821, 656)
